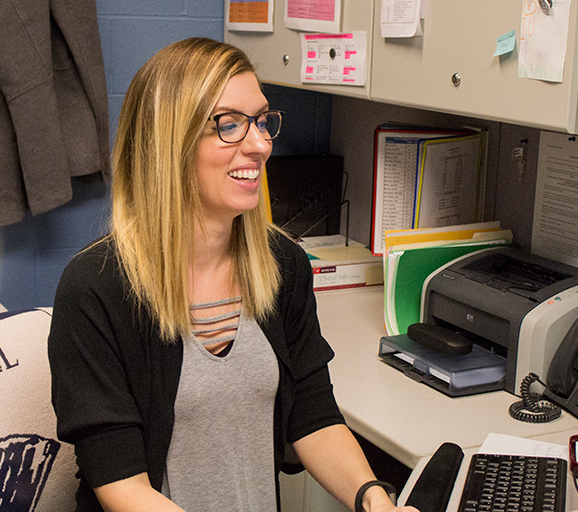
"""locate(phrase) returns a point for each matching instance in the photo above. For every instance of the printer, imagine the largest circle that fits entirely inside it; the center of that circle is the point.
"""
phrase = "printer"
(513, 303)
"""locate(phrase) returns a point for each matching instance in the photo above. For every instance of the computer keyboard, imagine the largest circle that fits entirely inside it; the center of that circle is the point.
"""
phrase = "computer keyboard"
(509, 483)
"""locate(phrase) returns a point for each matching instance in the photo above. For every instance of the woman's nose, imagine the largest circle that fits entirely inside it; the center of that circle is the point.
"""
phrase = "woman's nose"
(255, 139)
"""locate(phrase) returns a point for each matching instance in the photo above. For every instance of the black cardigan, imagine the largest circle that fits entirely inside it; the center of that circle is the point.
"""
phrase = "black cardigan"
(114, 381)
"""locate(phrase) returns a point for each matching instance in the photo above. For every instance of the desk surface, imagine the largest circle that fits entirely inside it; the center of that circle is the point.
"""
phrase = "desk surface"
(404, 418)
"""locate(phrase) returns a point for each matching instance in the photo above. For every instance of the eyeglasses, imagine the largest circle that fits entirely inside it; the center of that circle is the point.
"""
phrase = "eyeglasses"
(233, 127)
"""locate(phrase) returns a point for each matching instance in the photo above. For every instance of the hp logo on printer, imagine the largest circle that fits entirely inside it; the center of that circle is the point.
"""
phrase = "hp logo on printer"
(469, 317)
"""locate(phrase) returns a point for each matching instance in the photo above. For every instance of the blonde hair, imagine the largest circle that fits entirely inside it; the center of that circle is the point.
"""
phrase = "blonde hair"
(155, 196)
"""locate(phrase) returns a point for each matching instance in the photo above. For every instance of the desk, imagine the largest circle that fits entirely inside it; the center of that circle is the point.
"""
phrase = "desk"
(404, 418)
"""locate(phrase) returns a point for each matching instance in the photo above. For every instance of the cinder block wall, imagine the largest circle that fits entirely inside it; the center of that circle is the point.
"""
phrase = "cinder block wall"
(34, 252)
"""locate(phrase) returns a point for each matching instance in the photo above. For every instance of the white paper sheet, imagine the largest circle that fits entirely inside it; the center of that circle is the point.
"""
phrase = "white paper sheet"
(555, 227)
(501, 444)
(401, 18)
(254, 16)
(396, 185)
(337, 59)
(450, 175)
(313, 15)
(543, 40)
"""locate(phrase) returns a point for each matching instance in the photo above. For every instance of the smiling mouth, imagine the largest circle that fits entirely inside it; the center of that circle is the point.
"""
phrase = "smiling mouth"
(246, 174)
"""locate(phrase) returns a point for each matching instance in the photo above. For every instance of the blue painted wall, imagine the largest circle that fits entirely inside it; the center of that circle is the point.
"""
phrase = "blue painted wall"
(33, 253)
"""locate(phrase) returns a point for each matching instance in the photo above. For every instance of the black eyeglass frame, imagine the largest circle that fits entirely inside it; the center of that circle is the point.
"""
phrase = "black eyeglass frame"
(251, 119)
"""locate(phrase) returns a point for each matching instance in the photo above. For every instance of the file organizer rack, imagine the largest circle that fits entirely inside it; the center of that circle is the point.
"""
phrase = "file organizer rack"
(307, 194)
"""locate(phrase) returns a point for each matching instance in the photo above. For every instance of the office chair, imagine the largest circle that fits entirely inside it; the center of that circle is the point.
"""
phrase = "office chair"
(37, 472)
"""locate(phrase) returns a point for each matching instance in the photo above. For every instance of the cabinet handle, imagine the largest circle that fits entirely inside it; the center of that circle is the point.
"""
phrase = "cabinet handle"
(285, 59)
(456, 79)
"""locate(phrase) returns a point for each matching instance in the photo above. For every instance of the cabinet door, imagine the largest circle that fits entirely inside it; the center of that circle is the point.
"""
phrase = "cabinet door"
(460, 37)
(277, 55)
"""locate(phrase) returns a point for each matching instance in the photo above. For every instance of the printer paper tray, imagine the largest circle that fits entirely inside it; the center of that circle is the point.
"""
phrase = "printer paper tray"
(434, 382)
(477, 372)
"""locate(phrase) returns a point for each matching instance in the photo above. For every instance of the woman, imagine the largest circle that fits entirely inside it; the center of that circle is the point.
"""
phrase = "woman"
(185, 348)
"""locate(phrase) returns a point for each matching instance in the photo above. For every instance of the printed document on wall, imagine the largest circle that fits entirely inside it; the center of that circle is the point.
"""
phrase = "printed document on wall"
(249, 15)
(313, 15)
(401, 18)
(555, 228)
(543, 40)
(337, 59)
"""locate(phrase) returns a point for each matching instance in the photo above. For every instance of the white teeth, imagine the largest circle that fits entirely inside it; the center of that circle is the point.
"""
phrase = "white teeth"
(247, 174)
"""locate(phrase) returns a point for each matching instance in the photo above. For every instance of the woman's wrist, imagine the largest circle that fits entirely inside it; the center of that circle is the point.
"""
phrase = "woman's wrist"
(376, 499)
(374, 495)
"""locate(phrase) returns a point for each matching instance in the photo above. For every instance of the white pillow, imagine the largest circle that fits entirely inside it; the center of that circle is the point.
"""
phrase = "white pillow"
(28, 445)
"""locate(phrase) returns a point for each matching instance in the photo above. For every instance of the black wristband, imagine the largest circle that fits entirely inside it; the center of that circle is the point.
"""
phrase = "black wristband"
(390, 489)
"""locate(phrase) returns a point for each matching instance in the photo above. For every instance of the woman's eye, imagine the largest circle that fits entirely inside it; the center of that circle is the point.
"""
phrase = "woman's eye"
(262, 123)
(227, 126)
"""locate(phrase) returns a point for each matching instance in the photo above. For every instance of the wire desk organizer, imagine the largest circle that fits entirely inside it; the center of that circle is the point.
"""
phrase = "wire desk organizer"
(308, 195)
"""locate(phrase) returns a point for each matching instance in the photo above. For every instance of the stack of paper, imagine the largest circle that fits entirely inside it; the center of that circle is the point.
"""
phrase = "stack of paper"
(425, 178)
(412, 255)
(339, 265)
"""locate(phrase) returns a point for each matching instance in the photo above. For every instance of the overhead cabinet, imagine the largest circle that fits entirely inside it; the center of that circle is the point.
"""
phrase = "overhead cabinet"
(452, 68)
(277, 55)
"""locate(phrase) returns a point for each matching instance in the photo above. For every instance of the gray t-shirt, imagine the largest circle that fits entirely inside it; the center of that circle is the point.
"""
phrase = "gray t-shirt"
(221, 453)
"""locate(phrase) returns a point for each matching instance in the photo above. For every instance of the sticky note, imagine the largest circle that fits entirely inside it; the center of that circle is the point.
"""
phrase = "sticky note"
(505, 43)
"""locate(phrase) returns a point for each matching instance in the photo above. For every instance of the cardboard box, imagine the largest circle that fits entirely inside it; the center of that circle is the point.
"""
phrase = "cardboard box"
(337, 266)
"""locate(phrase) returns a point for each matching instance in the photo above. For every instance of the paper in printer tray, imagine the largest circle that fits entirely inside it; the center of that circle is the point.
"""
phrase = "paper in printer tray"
(477, 372)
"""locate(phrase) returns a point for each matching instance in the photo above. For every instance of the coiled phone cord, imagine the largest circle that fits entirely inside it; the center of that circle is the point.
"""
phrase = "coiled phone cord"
(533, 408)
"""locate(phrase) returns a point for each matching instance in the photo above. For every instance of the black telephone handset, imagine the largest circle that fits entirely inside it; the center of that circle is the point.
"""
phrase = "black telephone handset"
(563, 371)
(561, 385)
